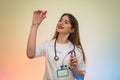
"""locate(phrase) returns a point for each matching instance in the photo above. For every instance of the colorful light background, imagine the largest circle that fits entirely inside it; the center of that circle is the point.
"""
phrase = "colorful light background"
(99, 29)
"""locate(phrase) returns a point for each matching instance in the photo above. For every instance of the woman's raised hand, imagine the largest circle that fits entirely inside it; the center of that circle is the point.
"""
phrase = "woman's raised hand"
(38, 17)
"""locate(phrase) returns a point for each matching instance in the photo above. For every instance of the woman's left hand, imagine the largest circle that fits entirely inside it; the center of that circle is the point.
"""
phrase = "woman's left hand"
(73, 62)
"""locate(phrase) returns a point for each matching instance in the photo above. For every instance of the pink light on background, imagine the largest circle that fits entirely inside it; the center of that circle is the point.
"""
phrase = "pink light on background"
(24, 70)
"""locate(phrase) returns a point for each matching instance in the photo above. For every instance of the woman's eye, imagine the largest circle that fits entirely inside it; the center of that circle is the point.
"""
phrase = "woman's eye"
(66, 22)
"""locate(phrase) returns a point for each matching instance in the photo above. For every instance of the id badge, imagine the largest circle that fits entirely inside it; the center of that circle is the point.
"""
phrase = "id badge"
(63, 72)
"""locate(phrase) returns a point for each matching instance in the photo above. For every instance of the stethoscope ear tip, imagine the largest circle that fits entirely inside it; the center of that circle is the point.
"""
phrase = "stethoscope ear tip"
(72, 52)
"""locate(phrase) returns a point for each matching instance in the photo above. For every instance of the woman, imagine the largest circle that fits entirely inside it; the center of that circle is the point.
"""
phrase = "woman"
(65, 58)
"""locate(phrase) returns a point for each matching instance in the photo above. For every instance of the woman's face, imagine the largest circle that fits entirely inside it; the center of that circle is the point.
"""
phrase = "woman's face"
(64, 26)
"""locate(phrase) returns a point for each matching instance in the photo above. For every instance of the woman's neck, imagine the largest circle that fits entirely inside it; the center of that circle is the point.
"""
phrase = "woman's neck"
(63, 39)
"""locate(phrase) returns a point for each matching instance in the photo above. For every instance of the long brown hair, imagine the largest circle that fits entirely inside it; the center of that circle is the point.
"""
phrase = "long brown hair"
(73, 37)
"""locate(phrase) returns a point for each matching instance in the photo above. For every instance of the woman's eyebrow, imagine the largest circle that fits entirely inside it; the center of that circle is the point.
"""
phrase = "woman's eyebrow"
(65, 20)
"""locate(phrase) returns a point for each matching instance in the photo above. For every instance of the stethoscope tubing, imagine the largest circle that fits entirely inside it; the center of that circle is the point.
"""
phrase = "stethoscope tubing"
(56, 58)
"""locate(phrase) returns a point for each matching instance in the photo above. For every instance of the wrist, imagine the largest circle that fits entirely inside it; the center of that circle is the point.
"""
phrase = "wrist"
(34, 26)
(33, 29)
(74, 71)
(36, 23)
(77, 74)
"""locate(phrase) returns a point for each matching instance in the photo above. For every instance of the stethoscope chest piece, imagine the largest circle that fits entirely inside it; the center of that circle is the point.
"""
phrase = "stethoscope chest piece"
(56, 58)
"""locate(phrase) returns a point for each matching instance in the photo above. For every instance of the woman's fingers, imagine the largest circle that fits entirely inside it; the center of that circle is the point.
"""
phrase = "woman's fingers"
(73, 58)
(73, 61)
(40, 13)
(38, 17)
(44, 14)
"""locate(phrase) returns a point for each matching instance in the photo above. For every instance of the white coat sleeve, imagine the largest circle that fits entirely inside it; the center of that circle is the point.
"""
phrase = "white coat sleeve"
(81, 63)
(41, 49)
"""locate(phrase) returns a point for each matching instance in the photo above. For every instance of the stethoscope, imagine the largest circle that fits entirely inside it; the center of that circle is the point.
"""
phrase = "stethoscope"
(56, 58)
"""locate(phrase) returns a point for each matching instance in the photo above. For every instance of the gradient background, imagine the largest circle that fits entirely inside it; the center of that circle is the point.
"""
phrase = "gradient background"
(99, 29)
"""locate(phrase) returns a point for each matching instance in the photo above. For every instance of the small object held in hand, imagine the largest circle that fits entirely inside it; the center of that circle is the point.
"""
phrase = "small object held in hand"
(44, 13)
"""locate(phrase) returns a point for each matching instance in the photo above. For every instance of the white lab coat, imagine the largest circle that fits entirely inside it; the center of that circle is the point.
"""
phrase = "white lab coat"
(47, 49)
